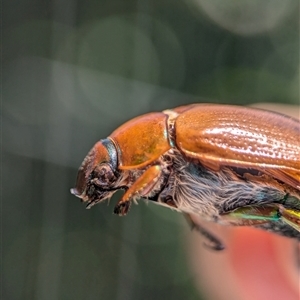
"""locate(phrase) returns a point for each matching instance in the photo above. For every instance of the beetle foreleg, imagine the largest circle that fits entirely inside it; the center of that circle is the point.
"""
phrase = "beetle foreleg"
(215, 243)
(140, 188)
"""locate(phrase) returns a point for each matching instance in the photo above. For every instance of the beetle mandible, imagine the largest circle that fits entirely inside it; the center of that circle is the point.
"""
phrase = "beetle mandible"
(228, 164)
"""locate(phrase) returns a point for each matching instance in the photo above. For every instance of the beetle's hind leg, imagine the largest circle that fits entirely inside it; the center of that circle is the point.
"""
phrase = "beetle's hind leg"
(290, 217)
(255, 215)
(214, 243)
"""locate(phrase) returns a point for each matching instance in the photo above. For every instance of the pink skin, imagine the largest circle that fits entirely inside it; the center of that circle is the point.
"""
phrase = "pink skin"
(255, 264)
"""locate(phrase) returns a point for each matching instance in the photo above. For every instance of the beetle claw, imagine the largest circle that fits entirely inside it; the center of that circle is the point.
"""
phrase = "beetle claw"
(121, 209)
(214, 243)
(216, 246)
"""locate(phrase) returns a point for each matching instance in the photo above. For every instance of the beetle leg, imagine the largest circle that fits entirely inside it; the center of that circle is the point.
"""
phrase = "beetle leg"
(140, 188)
(290, 216)
(252, 215)
(249, 216)
(215, 243)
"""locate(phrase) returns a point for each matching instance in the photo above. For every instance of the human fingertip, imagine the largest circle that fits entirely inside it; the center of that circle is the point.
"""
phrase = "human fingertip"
(257, 266)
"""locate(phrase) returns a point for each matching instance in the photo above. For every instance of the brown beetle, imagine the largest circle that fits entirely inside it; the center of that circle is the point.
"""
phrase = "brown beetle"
(229, 164)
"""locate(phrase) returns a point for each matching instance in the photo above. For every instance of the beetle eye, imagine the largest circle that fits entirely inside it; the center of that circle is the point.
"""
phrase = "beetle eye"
(103, 175)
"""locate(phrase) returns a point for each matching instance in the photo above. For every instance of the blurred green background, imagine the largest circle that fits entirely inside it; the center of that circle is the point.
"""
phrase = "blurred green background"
(75, 70)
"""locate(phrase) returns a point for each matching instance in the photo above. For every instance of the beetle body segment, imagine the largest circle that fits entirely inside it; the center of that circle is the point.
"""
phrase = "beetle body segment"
(141, 140)
(229, 164)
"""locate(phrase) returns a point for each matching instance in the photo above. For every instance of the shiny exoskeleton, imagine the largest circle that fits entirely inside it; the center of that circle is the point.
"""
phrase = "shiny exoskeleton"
(228, 164)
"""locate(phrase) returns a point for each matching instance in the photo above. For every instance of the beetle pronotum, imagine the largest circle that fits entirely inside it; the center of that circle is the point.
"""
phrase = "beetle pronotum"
(228, 164)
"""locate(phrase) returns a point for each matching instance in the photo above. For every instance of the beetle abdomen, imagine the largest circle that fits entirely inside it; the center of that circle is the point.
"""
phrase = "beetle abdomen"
(198, 190)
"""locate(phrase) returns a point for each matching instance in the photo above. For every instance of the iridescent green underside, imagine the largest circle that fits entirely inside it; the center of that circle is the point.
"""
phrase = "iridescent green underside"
(255, 215)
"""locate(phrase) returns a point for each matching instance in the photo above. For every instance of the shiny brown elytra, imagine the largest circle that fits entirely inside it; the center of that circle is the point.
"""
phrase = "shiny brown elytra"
(228, 164)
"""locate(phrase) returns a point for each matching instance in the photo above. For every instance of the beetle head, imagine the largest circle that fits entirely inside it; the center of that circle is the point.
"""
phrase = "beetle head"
(97, 176)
